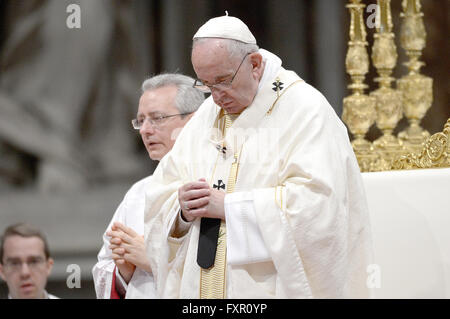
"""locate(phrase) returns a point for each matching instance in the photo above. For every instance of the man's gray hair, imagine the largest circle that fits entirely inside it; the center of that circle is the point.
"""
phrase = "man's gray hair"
(188, 98)
(235, 48)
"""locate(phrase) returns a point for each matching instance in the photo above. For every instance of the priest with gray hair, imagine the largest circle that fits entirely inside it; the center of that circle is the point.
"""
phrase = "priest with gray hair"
(261, 195)
(167, 103)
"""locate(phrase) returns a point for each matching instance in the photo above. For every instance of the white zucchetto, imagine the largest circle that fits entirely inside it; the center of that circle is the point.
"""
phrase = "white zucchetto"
(226, 27)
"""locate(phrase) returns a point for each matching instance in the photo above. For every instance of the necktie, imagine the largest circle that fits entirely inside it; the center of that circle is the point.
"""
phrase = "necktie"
(211, 255)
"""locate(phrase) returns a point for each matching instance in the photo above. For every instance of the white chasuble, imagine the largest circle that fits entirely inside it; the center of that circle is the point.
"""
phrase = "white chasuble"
(130, 213)
(297, 221)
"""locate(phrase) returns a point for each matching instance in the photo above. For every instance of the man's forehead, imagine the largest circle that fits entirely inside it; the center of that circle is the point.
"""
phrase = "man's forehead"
(216, 44)
(212, 51)
(19, 246)
(213, 62)
(157, 101)
(155, 110)
(215, 71)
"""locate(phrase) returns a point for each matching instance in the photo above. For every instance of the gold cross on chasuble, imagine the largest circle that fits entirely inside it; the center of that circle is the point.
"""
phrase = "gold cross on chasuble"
(213, 279)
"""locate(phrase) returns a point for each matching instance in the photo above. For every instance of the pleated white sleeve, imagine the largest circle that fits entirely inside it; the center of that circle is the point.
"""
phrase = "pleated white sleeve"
(245, 244)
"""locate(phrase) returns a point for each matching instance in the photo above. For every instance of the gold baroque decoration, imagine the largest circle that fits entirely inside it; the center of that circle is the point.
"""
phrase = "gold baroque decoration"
(436, 153)
(413, 147)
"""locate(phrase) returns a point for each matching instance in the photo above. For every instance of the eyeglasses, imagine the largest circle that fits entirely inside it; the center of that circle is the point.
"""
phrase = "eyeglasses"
(154, 121)
(15, 265)
(225, 85)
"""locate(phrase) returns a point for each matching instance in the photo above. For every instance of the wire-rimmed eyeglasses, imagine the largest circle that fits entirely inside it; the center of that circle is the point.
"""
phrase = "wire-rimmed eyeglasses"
(15, 265)
(224, 85)
(154, 121)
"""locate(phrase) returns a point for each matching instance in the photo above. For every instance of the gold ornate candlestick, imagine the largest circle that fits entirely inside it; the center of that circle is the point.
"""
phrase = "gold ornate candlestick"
(388, 100)
(359, 108)
(417, 89)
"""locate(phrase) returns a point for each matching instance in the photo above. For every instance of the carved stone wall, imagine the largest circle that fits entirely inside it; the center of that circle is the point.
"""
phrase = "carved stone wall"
(67, 95)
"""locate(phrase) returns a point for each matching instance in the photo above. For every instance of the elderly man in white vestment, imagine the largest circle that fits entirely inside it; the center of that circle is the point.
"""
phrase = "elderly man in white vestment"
(261, 193)
(166, 105)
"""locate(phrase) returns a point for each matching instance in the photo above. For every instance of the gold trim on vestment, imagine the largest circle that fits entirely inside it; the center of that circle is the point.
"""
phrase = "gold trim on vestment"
(280, 95)
(213, 280)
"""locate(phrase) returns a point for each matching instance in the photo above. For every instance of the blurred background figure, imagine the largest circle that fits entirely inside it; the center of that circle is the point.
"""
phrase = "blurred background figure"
(25, 262)
(65, 92)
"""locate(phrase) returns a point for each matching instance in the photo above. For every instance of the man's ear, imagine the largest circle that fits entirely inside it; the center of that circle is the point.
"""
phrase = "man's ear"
(50, 263)
(2, 275)
(257, 63)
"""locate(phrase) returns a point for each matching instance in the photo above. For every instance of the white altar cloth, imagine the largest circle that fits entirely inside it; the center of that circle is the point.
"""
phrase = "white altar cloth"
(410, 218)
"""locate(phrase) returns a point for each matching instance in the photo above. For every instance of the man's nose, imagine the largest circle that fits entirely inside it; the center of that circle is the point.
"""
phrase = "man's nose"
(147, 127)
(217, 95)
(25, 270)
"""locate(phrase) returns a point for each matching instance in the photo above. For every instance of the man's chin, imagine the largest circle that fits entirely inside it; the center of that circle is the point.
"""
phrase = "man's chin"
(154, 155)
(232, 109)
(28, 293)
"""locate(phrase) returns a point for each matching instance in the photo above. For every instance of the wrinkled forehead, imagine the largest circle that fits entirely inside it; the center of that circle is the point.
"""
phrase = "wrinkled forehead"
(211, 57)
(212, 49)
